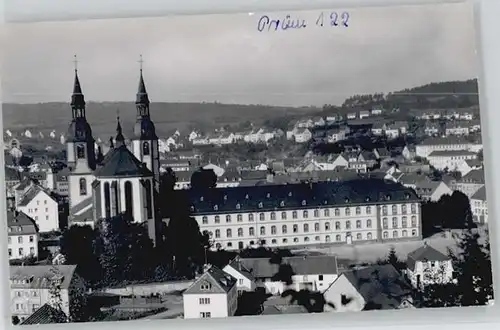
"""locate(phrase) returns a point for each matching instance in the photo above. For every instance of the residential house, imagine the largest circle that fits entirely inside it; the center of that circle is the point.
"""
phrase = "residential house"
(30, 288)
(376, 112)
(201, 140)
(409, 152)
(427, 265)
(364, 114)
(244, 277)
(431, 129)
(372, 287)
(22, 236)
(402, 126)
(319, 121)
(469, 184)
(466, 116)
(193, 135)
(445, 144)
(479, 206)
(456, 128)
(378, 128)
(432, 190)
(450, 160)
(467, 165)
(46, 315)
(392, 131)
(381, 153)
(302, 135)
(335, 135)
(213, 295)
(474, 126)
(314, 273)
(305, 123)
(352, 115)
(178, 165)
(62, 183)
(41, 206)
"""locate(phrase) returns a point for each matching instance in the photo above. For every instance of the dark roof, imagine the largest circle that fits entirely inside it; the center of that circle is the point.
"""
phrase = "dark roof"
(424, 253)
(20, 220)
(449, 153)
(474, 176)
(46, 315)
(31, 193)
(40, 276)
(297, 196)
(11, 174)
(220, 281)
(480, 194)
(380, 285)
(120, 162)
(237, 265)
(302, 265)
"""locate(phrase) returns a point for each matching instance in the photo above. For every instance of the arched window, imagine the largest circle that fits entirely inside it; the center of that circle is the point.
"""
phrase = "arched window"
(262, 230)
(240, 232)
(347, 225)
(305, 214)
(228, 218)
(273, 216)
(251, 231)
(239, 218)
(368, 223)
(283, 229)
(326, 212)
(107, 200)
(114, 199)
(359, 236)
(228, 233)
(145, 149)
(83, 187)
(395, 234)
(347, 211)
(368, 210)
(394, 209)
(250, 217)
(306, 228)
(316, 213)
(204, 220)
(369, 236)
(316, 226)
(327, 226)
(273, 230)
(148, 200)
(337, 225)
(129, 205)
(294, 214)
(262, 216)
(217, 233)
(283, 215)
(80, 151)
(358, 210)
(385, 234)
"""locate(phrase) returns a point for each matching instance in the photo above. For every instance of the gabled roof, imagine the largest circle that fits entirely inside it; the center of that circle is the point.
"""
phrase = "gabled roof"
(480, 194)
(424, 253)
(218, 280)
(46, 315)
(40, 276)
(20, 221)
(120, 162)
(237, 265)
(32, 193)
(474, 176)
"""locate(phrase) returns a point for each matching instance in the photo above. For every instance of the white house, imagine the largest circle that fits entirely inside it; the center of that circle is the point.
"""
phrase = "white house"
(352, 115)
(22, 236)
(376, 112)
(244, 276)
(445, 144)
(479, 206)
(30, 288)
(467, 165)
(335, 135)
(427, 265)
(213, 294)
(409, 152)
(431, 190)
(302, 135)
(364, 114)
(372, 287)
(40, 206)
(469, 184)
(450, 159)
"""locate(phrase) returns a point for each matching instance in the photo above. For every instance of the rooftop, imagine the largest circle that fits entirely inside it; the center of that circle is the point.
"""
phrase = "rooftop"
(424, 253)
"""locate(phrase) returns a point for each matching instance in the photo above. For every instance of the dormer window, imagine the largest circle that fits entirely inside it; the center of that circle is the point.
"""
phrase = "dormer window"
(387, 197)
(268, 195)
(246, 196)
(205, 286)
(216, 207)
(346, 199)
(201, 199)
(290, 194)
(225, 197)
(282, 203)
(260, 205)
(407, 196)
(367, 199)
(192, 208)
(304, 202)
(238, 206)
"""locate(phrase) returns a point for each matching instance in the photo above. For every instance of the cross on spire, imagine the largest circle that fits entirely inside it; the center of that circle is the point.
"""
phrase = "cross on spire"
(75, 62)
(140, 62)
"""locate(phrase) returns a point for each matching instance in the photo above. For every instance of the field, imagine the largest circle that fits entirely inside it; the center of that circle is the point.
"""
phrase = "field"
(167, 117)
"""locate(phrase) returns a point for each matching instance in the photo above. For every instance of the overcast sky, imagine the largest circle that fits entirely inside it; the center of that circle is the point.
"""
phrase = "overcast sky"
(225, 58)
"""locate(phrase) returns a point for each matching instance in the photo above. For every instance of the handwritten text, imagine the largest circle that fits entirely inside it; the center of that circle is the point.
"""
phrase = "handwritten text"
(267, 24)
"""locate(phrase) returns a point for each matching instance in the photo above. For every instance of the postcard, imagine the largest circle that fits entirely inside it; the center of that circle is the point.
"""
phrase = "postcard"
(215, 166)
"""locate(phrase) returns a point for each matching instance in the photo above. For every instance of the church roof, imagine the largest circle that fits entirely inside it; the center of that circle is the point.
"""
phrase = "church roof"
(120, 162)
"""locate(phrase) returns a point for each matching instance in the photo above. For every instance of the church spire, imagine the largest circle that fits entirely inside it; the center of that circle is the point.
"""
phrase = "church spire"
(77, 99)
(142, 99)
(120, 139)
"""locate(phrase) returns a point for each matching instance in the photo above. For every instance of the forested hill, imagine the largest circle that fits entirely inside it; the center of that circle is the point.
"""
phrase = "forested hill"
(442, 95)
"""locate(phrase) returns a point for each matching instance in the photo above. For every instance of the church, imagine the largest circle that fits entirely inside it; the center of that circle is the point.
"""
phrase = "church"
(125, 179)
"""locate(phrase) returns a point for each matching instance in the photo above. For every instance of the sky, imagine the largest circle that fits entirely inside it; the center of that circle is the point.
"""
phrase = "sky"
(225, 58)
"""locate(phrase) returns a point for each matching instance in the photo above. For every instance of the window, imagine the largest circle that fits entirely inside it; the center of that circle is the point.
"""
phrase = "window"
(316, 238)
(368, 210)
(129, 203)
(338, 238)
(358, 236)
(384, 210)
(347, 211)
(414, 232)
(369, 236)
(395, 234)
(316, 213)
(10, 252)
(262, 216)
(316, 226)
(273, 230)
(205, 286)
(327, 238)
(405, 233)
(9, 239)
(326, 212)
(205, 315)
(385, 223)
(327, 226)
(358, 224)
(394, 222)
(273, 215)
(358, 210)
(294, 214)
(404, 222)
(283, 229)
(148, 200)
(145, 149)
(273, 241)
(250, 217)
(240, 281)
(228, 233)
(305, 214)
(204, 301)
(306, 228)
(21, 252)
(394, 209)
(368, 223)
(403, 208)
(295, 228)
(80, 151)
(83, 187)
(347, 225)
(283, 215)
(32, 250)
(251, 231)
(284, 240)
(337, 225)
(217, 233)
(385, 234)
(295, 240)
(204, 220)
(262, 230)
(320, 277)
(413, 221)
(337, 212)
(239, 218)
(240, 232)
(228, 218)
(413, 208)
(217, 219)
(20, 239)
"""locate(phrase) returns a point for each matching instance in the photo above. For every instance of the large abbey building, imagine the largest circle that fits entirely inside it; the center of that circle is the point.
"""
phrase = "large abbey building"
(125, 179)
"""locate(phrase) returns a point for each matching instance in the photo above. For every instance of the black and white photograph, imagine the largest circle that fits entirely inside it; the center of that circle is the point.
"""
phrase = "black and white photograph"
(249, 164)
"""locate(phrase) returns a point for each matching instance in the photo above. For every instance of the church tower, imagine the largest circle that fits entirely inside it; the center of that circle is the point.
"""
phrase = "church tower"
(80, 149)
(145, 140)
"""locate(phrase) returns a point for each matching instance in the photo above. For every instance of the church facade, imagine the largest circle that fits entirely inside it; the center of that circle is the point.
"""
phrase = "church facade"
(123, 181)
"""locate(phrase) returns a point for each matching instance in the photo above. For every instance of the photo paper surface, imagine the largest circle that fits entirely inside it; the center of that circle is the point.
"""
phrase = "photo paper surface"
(215, 166)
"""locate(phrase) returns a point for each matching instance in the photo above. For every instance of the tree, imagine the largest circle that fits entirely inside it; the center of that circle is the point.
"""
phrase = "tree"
(203, 179)
(15, 320)
(55, 298)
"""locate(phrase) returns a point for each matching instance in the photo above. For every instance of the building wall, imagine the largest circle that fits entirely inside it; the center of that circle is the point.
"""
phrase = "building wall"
(479, 210)
(75, 197)
(24, 301)
(468, 189)
(340, 287)
(44, 210)
(451, 162)
(243, 283)
(217, 305)
(334, 226)
(432, 272)
(28, 244)
(312, 282)
(423, 150)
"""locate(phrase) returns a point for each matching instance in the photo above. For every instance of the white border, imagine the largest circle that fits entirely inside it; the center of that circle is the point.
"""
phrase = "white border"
(488, 22)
